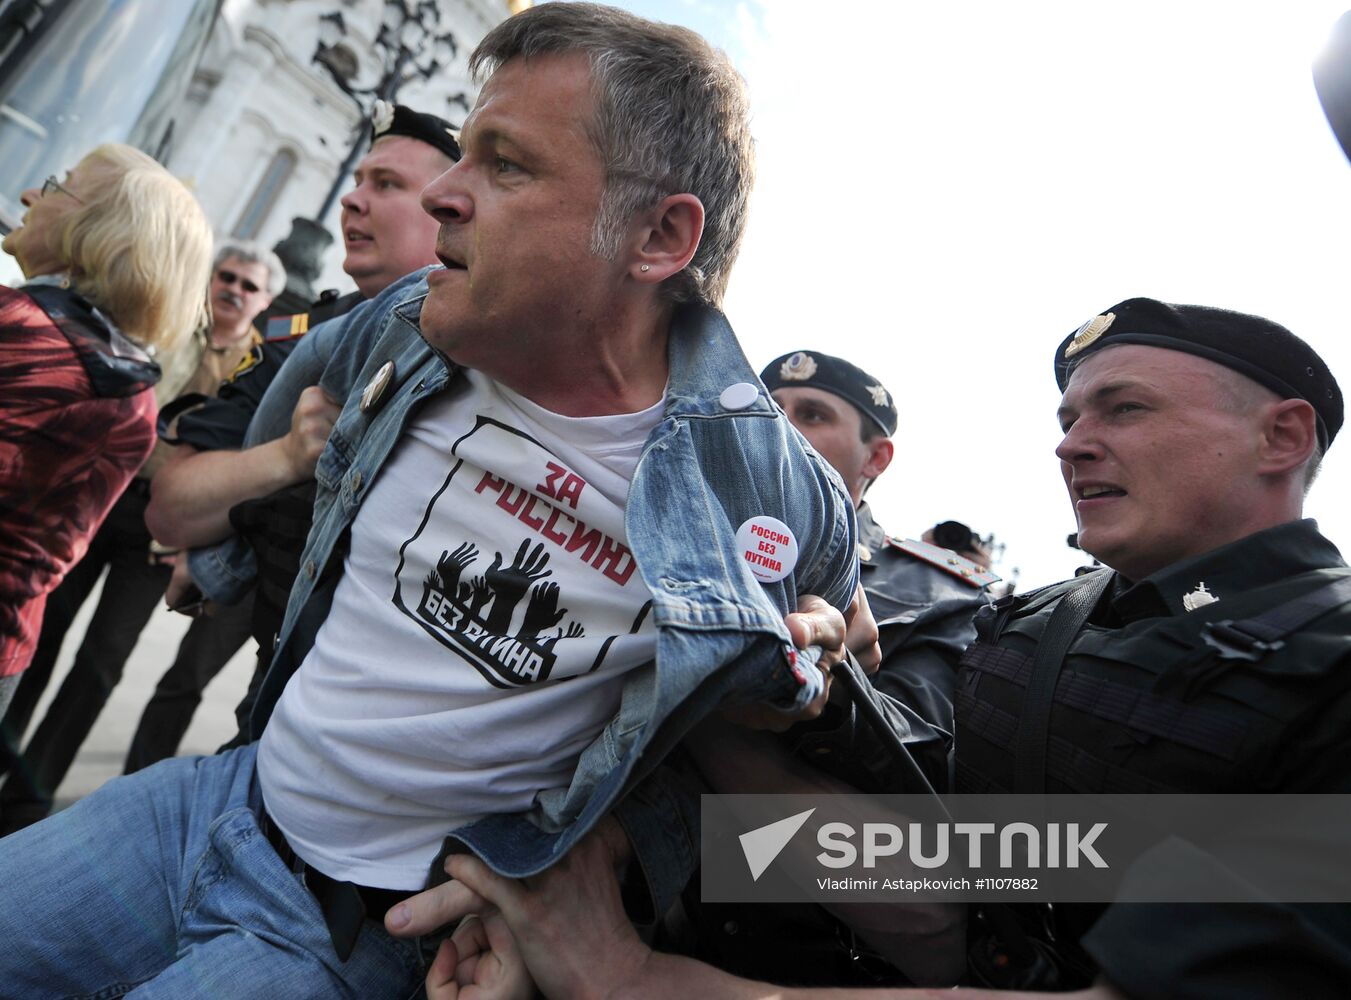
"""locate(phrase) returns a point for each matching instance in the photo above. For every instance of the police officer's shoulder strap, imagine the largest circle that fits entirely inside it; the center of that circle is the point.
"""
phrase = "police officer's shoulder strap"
(949, 562)
(1252, 638)
(1072, 610)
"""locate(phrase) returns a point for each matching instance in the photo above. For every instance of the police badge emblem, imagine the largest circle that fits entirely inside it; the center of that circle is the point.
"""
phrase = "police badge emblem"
(1088, 333)
(798, 367)
(382, 118)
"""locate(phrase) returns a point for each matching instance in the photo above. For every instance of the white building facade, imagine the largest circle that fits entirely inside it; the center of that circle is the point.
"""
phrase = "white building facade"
(266, 129)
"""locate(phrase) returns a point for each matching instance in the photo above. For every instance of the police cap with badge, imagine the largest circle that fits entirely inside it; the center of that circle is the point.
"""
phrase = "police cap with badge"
(397, 119)
(810, 370)
(1264, 351)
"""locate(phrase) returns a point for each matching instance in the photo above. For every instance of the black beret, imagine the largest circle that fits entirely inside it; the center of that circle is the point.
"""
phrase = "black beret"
(1264, 351)
(397, 119)
(837, 376)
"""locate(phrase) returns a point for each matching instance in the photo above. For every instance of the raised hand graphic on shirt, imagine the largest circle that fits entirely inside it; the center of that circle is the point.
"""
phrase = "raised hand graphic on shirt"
(479, 596)
(542, 612)
(510, 584)
(446, 576)
(575, 631)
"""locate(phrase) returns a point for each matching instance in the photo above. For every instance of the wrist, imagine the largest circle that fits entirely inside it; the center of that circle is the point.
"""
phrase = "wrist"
(285, 460)
(636, 976)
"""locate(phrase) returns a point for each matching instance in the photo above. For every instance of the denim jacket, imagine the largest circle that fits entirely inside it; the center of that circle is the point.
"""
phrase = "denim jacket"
(704, 470)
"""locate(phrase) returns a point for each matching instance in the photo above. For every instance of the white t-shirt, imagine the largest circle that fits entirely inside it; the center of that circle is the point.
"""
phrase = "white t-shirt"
(488, 611)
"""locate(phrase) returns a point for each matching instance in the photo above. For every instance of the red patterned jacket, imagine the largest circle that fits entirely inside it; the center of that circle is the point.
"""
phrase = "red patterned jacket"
(77, 419)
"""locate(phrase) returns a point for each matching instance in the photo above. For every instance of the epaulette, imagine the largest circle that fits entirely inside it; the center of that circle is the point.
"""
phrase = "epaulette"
(946, 560)
(287, 327)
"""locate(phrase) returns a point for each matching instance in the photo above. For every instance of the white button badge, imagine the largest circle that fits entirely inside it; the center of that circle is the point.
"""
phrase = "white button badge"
(374, 393)
(738, 396)
(768, 547)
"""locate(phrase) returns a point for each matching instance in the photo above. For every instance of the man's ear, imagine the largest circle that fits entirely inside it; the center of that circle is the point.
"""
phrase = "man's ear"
(880, 453)
(667, 237)
(1289, 435)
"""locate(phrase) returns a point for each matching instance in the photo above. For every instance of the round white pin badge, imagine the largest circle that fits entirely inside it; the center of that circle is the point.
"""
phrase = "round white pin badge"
(739, 396)
(767, 545)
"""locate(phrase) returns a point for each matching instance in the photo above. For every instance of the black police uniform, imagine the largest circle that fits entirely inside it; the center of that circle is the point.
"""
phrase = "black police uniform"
(1226, 672)
(924, 613)
(924, 598)
(1145, 704)
(220, 423)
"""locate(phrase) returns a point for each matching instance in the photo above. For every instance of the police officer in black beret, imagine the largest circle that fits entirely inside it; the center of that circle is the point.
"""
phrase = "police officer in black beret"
(923, 596)
(374, 259)
(1212, 654)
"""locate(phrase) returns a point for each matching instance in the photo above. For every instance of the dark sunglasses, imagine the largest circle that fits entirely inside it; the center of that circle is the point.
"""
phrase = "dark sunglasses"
(229, 278)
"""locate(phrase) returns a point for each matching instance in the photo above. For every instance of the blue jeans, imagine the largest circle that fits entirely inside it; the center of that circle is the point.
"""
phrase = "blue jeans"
(160, 884)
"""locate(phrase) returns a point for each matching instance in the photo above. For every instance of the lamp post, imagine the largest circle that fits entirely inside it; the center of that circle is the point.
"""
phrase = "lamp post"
(411, 44)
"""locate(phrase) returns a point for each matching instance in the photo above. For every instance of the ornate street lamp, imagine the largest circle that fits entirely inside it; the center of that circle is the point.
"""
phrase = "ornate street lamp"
(412, 44)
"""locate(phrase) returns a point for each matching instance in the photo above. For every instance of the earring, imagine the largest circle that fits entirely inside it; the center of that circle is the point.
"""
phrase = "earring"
(644, 268)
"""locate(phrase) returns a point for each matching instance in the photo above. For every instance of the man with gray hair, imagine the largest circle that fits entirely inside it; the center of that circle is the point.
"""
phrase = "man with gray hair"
(244, 280)
(558, 522)
(236, 291)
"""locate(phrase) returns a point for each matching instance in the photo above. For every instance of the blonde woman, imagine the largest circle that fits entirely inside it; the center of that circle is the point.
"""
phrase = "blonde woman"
(117, 256)
(138, 571)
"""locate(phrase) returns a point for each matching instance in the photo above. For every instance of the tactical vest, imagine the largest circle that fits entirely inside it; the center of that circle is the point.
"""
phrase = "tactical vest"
(1151, 706)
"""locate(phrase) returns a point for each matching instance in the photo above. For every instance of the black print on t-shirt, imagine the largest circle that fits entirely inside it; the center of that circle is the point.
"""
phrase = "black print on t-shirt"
(474, 614)
(504, 616)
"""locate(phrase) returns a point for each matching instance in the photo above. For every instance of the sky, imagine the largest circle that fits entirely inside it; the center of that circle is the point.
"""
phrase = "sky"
(945, 191)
